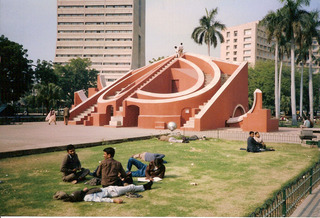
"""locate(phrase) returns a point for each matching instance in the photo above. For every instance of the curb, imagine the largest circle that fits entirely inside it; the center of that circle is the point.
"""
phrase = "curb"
(20, 153)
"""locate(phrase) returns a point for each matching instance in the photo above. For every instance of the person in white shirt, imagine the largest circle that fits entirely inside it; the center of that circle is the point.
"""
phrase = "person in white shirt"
(180, 50)
(104, 194)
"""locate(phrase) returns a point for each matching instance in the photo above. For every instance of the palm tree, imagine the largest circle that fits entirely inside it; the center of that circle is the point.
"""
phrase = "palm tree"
(302, 57)
(208, 31)
(310, 31)
(292, 15)
(272, 23)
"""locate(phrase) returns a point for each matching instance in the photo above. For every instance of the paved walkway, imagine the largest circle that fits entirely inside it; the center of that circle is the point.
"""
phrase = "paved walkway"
(40, 135)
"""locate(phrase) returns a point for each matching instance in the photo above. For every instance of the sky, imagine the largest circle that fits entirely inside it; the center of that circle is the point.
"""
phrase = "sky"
(33, 23)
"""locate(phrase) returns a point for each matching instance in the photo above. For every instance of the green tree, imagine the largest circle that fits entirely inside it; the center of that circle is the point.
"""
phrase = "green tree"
(156, 59)
(208, 31)
(44, 72)
(272, 22)
(44, 84)
(15, 71)
(74, 76)
(48, 94)
(292, 15)
(310, 31)
(302, 56)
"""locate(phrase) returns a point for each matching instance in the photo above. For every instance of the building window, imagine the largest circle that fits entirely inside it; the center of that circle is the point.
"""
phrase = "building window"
(234, 59)
(235, 46)
(247, 32)
(228, 34)
(235, 40)
(246, 52)
(235, 33)
(246, 58)
(235, 53)
(248, 45)
(227, 53)
(228, 47)
(247, 39)
(228, 41)
(94, 6)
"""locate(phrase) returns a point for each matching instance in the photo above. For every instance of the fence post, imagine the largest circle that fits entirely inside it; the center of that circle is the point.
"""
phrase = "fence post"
(311, 173)
(284, 203)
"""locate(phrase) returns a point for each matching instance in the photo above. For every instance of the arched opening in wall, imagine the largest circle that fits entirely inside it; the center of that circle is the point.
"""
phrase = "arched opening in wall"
(238, 111)
(185, 115)
(132, 115)
(109, 113)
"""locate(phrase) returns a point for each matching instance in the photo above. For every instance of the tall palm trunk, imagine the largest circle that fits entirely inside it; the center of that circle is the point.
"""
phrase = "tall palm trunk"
(276, 83)
(293, 91)
(280, 76)
(301, 90)
(209, 49)
(310, 85)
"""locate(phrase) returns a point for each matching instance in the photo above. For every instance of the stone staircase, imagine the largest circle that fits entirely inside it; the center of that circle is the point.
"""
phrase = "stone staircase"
(224, 78)
(81, 118)
(190, 123)
(117, 121)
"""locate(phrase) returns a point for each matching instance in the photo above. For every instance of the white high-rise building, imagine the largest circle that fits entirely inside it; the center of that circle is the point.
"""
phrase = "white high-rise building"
(110, 33)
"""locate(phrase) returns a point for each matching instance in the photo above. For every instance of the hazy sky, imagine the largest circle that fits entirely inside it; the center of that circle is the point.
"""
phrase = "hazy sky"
(33, 23)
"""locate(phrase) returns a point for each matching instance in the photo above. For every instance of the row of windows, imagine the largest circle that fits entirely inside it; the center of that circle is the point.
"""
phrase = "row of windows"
(94, 23)
(246, 39)
(95, 6)
(93, 55)
(94, 47)
(94, 39)
(95, 15)
(235, 33)
(104, 71)
(111, 63)
(245, 52)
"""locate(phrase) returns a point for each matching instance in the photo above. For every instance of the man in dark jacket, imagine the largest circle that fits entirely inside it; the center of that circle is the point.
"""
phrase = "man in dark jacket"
(71, 167)
(253, 145)
(110, 170)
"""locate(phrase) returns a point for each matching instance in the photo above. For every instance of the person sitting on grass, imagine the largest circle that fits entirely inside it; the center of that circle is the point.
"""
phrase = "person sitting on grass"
(154, 169)
(102, 194)
(111, 171)
(254, 146)
(71, 167)
(258, 139)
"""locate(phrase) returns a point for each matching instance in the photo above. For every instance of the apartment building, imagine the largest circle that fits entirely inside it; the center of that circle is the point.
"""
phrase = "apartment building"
(110, 33)
(246, 42)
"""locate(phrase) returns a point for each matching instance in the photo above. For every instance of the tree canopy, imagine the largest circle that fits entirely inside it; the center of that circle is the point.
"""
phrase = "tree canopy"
(15, 71)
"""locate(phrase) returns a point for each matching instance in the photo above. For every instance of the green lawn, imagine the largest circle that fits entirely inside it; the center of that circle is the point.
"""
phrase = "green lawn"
(230, 182)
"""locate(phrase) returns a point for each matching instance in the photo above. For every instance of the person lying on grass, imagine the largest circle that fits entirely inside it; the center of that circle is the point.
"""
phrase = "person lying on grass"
(148, 157)
(101, 194)
(71, 167)
(154, 169)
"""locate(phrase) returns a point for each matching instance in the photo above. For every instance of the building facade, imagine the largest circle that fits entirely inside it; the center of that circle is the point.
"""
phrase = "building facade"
(110, 33)
(246, 42)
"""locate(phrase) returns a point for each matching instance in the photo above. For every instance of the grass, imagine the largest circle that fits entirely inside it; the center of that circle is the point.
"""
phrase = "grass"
(230, 182)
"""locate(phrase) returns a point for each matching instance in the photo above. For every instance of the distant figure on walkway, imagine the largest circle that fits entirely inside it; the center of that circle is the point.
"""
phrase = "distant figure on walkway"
(71, 167)
(110, 170)
(148, 157)
(101, 194)
(258, 139)
(51, 117)
(154, 169)
(177, 51)
(66, 114)
(180, 50)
